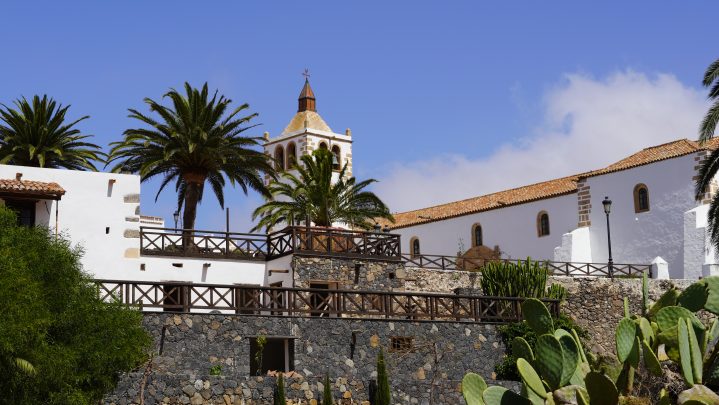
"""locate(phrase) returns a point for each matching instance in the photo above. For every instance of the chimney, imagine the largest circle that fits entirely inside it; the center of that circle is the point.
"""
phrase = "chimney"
(18, 176)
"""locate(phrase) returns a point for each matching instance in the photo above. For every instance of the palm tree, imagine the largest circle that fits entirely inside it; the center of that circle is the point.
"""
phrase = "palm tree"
(191, 143)
(313, 197)
(710, 166)
(36, 134)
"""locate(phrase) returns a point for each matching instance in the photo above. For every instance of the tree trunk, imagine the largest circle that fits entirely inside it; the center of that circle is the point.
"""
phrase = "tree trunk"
(192, 196)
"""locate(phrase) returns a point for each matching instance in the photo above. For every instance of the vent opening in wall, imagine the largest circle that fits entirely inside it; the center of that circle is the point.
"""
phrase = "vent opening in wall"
(177, 265)
(402, 344)
(107, 230)
(142, 266)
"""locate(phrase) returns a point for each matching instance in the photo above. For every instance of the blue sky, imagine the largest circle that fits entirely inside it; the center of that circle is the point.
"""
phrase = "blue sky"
(457, 88)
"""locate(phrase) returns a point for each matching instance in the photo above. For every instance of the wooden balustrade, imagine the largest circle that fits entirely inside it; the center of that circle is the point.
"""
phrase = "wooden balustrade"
(437, 262)
(243, 246)
(298, 302)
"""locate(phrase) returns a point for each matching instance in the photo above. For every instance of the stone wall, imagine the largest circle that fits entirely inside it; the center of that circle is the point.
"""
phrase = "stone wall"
(597, 304)
(350, 274)
(431, 373)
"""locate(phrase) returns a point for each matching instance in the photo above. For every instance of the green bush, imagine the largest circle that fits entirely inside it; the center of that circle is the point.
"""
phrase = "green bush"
(507, 368)
(59, 344)
(526, 279)
(216, 369)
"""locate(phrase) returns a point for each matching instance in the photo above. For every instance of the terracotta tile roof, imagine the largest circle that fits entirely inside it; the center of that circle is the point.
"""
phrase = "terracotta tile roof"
(547, 189)
(520, 195)
(31, 188)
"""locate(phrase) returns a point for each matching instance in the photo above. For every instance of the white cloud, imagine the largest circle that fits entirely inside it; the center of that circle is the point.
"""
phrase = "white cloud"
(587, 124)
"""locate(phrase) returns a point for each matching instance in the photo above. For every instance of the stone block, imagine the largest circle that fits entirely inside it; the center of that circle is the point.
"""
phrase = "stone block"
(131, 198)
(131, 233)
(132, 253)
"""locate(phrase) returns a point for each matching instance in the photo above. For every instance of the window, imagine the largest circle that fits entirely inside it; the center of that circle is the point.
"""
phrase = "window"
(25, 211)
(542, 224)
(291, 155)
(641, 198)
(279, 158)
(414, 247)
(401, 344)
(337, 163)
(477, 235)
(277, 354)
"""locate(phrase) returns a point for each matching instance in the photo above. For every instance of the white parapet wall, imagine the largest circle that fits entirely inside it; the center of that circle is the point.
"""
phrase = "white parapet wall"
(576, 247)
(699, 255)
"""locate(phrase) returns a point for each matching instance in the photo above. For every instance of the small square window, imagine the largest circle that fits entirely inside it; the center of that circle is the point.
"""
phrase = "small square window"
(278, 354)
(402, 344)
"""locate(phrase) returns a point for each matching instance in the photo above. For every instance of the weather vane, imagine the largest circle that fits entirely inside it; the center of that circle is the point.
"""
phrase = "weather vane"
(306, 74)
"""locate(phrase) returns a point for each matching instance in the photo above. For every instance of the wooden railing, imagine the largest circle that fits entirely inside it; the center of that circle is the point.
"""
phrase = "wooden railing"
(224, 245)
(298, 302)
(243, 246)
(438, 262)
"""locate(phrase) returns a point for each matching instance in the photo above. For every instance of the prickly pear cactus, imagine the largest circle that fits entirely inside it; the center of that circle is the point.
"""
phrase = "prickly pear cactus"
(536, 314)
(473, 387)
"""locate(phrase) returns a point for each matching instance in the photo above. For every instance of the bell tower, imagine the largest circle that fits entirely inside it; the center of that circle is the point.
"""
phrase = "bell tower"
(307, 132)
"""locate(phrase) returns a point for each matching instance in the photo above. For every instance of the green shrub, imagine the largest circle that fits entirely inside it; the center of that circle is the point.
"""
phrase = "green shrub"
(216, 369)
(526, 279)
(506, 369)
(72, 346)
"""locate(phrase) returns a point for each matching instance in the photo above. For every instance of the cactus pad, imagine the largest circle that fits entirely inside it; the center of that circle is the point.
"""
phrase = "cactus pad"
(694, 297)
(530, 378)
(570, 358)
(550, 360)
(521, 349)
(667, 299)
(700, 394)
(502, 396)
(625, 336)
(601, 389)
(650, 359)
(472, 388)
(537, 316)
(712, 303)
(685, 354)
(668, 317)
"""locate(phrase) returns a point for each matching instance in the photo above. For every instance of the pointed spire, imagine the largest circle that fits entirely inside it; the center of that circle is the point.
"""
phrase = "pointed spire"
(306, 101)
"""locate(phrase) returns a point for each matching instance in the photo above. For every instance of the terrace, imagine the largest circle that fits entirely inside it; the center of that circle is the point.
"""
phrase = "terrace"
(325, 242)
(340, 243)
(309, 302)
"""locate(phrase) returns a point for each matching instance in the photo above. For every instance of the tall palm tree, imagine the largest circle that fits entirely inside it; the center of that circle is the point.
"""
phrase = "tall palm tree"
(312, 196)
(194, 141)
(36, 134)
(710, 166)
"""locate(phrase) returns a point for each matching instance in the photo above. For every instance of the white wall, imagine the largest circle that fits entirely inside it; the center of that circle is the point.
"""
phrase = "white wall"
(275, 272)
(640, 237)
(195, 270)
(87, 208)
(513, 228)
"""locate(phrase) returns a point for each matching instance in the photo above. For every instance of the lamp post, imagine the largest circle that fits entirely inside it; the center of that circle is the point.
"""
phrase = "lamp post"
(176, 216)
(607, 203)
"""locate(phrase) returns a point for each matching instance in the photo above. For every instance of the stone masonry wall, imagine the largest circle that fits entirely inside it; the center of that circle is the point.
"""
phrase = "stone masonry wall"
(430, 374)
(371, 275)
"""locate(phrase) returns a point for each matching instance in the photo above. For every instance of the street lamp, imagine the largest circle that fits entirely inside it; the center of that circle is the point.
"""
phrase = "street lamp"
(607, 203)
(176, 216)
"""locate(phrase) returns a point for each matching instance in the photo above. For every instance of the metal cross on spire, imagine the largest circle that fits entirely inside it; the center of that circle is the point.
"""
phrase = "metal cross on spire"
(306, 74)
